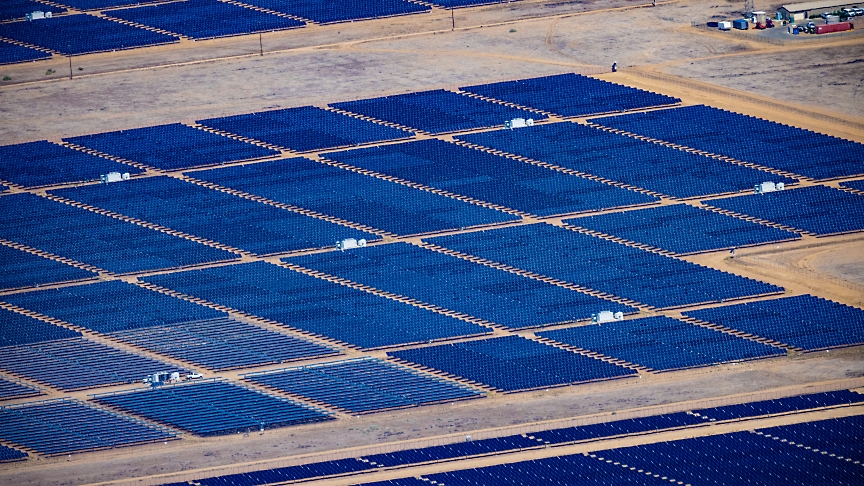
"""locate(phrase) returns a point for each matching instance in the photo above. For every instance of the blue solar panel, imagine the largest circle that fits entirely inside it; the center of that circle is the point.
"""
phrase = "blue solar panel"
(778, 406)
(452, 283)
(95, 239)
(173, 146)
(839, 436)
(859, 184)
(214, 408)
(305, 128)
(8, 454)
(316, 306)
(816, 209)
(512, 363)
(20, 329)
(75, 364)
(362, 199)
(44, 163)
(290, 473)
(17, 9)
(618, 158)
(571, 95)
(340, 10)
(683, 229)
(99, 4)
(436, 111)
(13, 53)
(81, 34)
(22, 269)
(67, 426)
(13, 389)
(805, 322)
(205, 19)
(215, 215)
(662, 343)
(747, 138)
(490, 178)
(363, 385)
(625, 271)
(465, 3)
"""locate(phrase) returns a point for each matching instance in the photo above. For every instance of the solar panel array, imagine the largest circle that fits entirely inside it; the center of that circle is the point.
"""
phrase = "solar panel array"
(571, 95)
(363, 385)
(100, 4)
(857, 185)
(818, 210)
(805, 322)
(19, 329)
(17, 9)
(662, 343)
(340, 10)
(838, 436)
(610, 267)
(214, 215)
(13, 389)
(8, 454)
(500, 297)
(780, 406)
(491, 178)
(213, 408)
(639, 163)
(13, 53)
(747, 138)
(22, 269)
(512, 363)
(683, 229)
(44, 163)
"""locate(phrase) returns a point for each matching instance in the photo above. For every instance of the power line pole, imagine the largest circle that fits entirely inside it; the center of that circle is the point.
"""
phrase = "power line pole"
(452, 18)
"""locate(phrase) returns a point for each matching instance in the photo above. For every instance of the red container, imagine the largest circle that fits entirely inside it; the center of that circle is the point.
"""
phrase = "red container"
(838, 27)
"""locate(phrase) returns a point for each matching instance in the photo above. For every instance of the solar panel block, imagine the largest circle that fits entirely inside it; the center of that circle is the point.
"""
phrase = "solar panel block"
(13, 53)
(683, 229)
(662, 343)
(69, 426)
(8, 454)
(340, 10)
(804, 321)
(12, 389)
(363, 385)
(95, 239)
(642, 276)
(354, 197)
(205, 19)
(858, 185)
(452, 283)
(44, 163)
(784, 405)
(436, 111)
(838, 436)
(465, 3)
(492, 178)
(173, 146)
(816, 209)
(747, 138)
(82, 34)
(18, 9)
(316, 306)
(658, 168)
(290, 473)
(22, 269)
(19, 329)
(512, 363)
(77, 364)
(215, 215)
(305, 128)
(571, 95)
(213, 408)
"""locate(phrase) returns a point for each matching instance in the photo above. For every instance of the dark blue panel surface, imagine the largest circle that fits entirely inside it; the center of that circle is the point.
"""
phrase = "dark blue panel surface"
(19, 329)
(44, 163)
(173, 146)
(81, 34)
(839, 436)
(859, 184)
(465, 3)
(340, 10)
(362, 199)
(512, 363)
(571, 95)
(214, 408)
(12, 53)
(683, 229)
(14, 389)
(617, 269)
(9, 454)
(784, 405)
(805, 322)
(490, 178)
(204, 19)
(749, 139)
(452, 283)
(437, 111)
(662, 343)
(305, 128)
(817, 209)
(316, 306)
(215, 215)
(22, 269)
(624, 159)
(95, 239)
(18, 9)
(97, 4)
(363, 385)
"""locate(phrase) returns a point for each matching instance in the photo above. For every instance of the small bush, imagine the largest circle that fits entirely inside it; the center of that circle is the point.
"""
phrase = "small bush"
(512, 30)
(80, 69)
(49, 72)
(7, 78)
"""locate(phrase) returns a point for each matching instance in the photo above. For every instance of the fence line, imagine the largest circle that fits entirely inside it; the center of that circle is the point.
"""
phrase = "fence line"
(495, 433)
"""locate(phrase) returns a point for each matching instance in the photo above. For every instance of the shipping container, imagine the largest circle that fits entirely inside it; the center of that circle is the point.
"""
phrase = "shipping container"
(827, 28)
(724, 25)
(740, 24)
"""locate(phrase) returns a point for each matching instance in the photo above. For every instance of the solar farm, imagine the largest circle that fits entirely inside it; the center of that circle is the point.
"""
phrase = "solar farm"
(556, 274)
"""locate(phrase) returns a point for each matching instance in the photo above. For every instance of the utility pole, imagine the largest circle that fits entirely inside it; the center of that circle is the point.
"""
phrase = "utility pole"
(69, 50)
(452, 18)
(260, 44)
